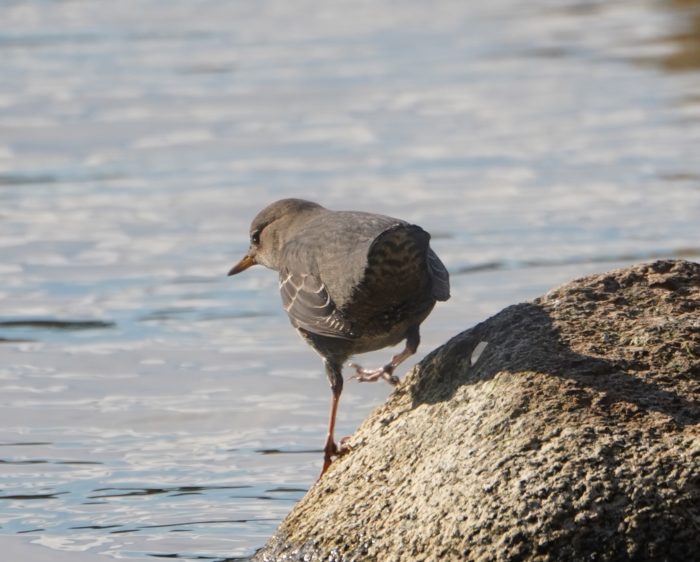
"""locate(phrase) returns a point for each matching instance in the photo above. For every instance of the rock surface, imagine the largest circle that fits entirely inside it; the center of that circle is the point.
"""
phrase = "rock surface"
(574, 435)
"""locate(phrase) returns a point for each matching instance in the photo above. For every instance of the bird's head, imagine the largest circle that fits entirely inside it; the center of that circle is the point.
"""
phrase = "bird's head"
(272, 228)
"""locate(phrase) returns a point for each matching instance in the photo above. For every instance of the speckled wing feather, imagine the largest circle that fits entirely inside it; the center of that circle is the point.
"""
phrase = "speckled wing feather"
(310, 307)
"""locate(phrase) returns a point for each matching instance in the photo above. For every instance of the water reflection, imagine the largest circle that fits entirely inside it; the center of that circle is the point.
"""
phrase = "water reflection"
(683, 253)
(52, 496)
(173, 491)
(75, 511)
(56, 324)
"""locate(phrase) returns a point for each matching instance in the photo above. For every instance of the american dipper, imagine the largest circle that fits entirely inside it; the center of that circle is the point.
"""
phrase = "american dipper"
(351, 282)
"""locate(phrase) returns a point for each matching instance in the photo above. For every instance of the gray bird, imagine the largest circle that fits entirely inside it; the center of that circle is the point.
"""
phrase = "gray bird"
(351, 282)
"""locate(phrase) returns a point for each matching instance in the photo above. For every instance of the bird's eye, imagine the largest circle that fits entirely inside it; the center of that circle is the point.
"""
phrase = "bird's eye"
(255, 238)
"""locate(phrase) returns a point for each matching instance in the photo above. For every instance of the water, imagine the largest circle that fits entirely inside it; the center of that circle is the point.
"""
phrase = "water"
(151, 406)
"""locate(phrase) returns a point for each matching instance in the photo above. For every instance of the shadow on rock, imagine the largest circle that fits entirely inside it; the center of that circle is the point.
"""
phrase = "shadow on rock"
(524, 338)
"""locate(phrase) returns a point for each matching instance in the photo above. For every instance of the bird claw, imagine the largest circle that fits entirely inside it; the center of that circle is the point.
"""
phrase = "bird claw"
(343, 447)
(372, 375)
(340, 448)
(334, 450)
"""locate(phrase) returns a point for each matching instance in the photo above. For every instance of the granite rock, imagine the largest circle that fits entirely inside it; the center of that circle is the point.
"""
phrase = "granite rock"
(566, 428)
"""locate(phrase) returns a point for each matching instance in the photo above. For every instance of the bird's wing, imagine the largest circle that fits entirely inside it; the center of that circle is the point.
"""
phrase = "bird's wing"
(310, 307)
(439, 276)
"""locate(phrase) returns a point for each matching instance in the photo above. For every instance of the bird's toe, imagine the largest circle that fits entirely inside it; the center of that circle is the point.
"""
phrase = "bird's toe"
(372, 375)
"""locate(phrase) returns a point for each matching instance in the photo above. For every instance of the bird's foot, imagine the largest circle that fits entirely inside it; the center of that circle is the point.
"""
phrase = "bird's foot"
(339, 449)
(344, 447)
(372, 375)
(334, 450)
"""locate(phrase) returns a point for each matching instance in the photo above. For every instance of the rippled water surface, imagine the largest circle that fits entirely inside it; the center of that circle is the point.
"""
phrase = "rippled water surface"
(152, 407)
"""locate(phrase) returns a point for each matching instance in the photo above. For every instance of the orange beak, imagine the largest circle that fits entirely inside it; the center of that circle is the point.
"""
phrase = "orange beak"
(242, 265)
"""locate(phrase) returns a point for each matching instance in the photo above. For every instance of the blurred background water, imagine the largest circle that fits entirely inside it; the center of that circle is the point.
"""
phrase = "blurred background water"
(152, 407)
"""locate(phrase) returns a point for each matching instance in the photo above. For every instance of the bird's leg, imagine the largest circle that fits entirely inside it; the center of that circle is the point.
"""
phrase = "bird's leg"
(335, 377)
(387, 371)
